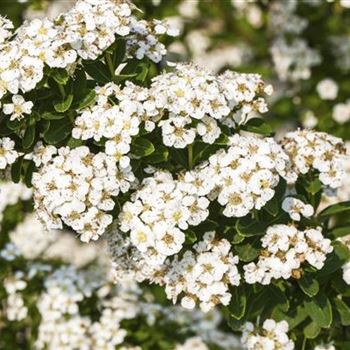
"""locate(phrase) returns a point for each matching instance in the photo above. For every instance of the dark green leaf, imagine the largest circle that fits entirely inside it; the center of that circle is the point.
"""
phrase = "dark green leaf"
(142, 147)
(29, 137)
(29, 173)
(86, 100)
(309, 285)
(52, 116)
(343, 311)
(98, 71)
(340, 231)
(320, 310)
(258, 126)
(335, 209)
(279, 298)
(60, 75)
(248, 227)
(160, 155)
(63, 105)
(57, 131)
(16, 170)
(249, 251)
(238, 304)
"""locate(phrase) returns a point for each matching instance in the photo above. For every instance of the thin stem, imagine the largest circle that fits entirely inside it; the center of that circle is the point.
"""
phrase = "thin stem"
(304, 344)
(110, 64)
(190, 156)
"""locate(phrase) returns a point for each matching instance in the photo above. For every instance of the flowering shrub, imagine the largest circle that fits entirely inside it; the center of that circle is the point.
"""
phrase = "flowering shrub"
(176, 169)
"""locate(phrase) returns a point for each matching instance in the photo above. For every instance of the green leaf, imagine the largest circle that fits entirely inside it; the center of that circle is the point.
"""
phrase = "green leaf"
(119, 52)
(343, 311)
(248, 227)
(60, 75)
(15, 124)
(29, 137)
(79, 83)
(249, 251)
(63, 105)
(88, 99)
(237, 238)
(273, 206)
(309, 285)
(340, 231)
(335, 209)
(160, 155)
(313, 186)
(312, 330)
(278, 297)
(52, 116)
(16, 170)
(29, 174)
(191, 237)
(238, 303)
(57, 131)
(143, 73)
(320, 310)
(294, 317)
(98, 71)
(141, 147)
(73, 143)
(258, 126)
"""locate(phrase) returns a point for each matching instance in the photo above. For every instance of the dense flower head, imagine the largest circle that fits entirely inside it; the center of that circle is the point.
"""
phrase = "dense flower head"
(75, 188)
(192, 102)
(316, 151)
(6, 27)
(293, 61)
(271, 335)
(159, 213)
(84, 32)
(285, 250)
(246, 174)
(204, 274)
(116, 116)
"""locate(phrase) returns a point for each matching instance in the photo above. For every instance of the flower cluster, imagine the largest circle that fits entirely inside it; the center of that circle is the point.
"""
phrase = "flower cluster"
(292, 58)
(285, 249)
(15, 308)
(311, 150)
(6, 27)
(75, 188)
(246, 174)
(271, 335)
(203, 275)
(161, 210)
(115, 116)
(293, 61)
(84, 32)
(190, 101)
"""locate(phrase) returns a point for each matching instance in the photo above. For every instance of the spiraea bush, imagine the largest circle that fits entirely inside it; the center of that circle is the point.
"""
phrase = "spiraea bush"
(176, 170)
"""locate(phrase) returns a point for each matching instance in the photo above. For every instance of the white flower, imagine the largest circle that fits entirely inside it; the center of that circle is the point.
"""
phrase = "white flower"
(18, 107)
(295, 208)
(7, 153)
(327, 89)
(341, 112)
(272, 335)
